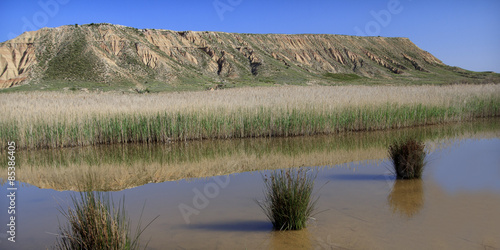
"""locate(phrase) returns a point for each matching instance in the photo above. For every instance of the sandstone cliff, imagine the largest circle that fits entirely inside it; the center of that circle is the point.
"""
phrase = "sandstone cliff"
(106, 54)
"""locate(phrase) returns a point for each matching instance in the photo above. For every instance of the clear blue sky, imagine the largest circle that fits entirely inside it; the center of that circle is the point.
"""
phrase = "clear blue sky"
(459, 32)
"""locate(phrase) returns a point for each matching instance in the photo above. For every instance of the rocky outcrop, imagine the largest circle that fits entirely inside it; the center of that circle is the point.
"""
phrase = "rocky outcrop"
(383, 63)
(414, 63)
(109, 53)
(16, 60)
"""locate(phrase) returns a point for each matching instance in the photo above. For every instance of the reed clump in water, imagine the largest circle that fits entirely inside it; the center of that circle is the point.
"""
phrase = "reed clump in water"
(95, 223)
(408, 158)
(288, 199)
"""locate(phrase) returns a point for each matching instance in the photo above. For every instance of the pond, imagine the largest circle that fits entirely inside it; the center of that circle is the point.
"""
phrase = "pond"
(205, 192)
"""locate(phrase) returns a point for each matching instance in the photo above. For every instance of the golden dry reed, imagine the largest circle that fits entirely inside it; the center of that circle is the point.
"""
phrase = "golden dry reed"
(61, 119)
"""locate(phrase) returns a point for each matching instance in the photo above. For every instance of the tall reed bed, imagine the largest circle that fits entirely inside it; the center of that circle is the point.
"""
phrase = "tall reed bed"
(43, 121)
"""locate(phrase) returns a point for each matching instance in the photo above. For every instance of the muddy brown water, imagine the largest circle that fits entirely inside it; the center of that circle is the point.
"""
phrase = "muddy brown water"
(205, 192)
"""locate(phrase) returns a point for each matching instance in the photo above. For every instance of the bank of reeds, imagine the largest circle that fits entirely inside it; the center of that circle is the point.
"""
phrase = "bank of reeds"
(95, 223)
(288, 201)
(68, 120)
(408, 158)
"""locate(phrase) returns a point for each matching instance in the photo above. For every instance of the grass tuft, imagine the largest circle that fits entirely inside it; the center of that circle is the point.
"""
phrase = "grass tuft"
(95, 223)
(407, 157)
(288, 203)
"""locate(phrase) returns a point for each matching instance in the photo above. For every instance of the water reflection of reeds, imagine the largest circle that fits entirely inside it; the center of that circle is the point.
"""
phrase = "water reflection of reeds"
(407, 197)
(285, 240)
(124, 166)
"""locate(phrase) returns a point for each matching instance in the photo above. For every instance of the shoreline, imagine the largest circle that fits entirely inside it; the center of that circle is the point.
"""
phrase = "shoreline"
(117, 167)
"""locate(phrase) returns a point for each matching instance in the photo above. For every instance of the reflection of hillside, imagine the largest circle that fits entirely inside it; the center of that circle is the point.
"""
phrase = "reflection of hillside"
(118, 167)
(407, 197)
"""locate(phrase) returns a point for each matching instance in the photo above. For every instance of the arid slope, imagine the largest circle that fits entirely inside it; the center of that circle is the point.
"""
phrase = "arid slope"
(111, 54)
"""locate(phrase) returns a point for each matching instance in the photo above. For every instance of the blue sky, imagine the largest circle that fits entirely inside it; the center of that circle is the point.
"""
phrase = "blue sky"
(460, 33)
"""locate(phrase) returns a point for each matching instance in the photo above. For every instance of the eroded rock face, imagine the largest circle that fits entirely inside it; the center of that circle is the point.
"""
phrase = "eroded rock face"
(15, 62)
(384, 63)
(118, 52)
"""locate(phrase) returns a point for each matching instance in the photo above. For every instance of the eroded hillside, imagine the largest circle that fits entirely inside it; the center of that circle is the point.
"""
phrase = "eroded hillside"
(106, 54)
